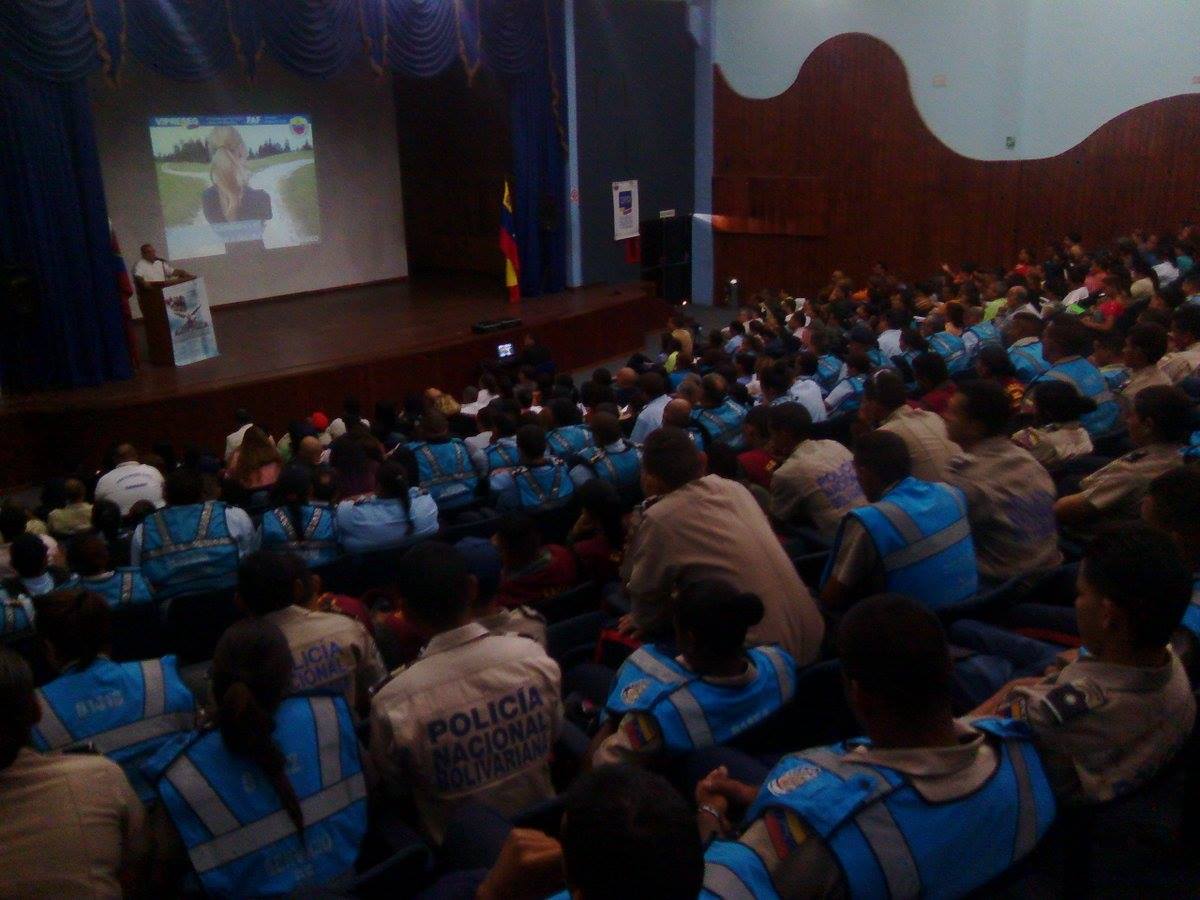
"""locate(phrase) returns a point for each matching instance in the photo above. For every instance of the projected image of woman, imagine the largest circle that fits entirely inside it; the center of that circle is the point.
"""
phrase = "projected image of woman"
(230, 199)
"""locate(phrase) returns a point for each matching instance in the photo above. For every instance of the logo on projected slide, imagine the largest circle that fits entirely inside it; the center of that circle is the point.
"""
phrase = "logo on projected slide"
(299, 125)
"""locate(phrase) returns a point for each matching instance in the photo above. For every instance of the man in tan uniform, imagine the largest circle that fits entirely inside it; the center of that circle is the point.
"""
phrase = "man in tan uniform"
(329, 651)
(815, 486)
(885, 407)
(695, 528)
(1010, 496)
(475, 717)
(1159, 425)
(70, 824)
(1108, 721)
(1145, 345)
(1185, 336)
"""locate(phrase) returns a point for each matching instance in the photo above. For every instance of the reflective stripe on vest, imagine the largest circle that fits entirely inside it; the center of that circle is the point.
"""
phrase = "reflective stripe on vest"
(1104, 396)
(603, 464)
(439, 476)
(919, 547)
(201, 541)
(507, 454)
(543, 496)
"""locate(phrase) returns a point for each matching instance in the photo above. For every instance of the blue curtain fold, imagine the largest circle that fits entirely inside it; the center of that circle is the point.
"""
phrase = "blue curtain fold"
(420, 37)
(514, 36)
(56, 225)
(314, 38)
(49, 39)
(181, 39)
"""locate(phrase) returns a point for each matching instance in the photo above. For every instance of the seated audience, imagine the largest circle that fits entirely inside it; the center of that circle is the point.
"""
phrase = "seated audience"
(697, 527)
(276, 780)
(1010, 496)
(814, 486)
(884, 547)
(613, 459)
(329, 652)
(1159, 423)
(598, 536)
(130, 481)
(934, 386)
(1056, 436)
(502, 453)
(443, 465)
(76, 516)
(71, 826)
(1108, 355)
(654, 392)
(885, 407)
(34, 574)
(126, 711)
(665, 703)
(434, 725)
(539, 483)
(567, 438)
(756, 461)
(256, 463)
(531, 572)
(88, 557)
(1109, 720)
(846, 395)
(1066, 343)
(1184, 359)
(718, 416)
(993, 364)
(391, 517)
(1025, 350)
(295, 524)
(233, 440)
(192, 546)
(1145, 345)
(953, 794)
(1170, 504)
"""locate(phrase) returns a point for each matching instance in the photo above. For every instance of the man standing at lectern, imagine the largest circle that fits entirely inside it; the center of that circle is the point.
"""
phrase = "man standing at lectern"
(152, 269)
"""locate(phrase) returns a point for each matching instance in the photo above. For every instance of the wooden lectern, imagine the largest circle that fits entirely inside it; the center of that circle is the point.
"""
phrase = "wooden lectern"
(154, 315)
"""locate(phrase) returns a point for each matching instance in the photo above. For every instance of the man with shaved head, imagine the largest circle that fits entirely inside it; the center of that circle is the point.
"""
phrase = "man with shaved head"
(130, 481)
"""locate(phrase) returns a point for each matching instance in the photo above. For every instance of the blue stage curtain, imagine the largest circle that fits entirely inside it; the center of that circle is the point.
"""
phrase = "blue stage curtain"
(181, 39)
(50, 39)
(56, 224)
(420, 37)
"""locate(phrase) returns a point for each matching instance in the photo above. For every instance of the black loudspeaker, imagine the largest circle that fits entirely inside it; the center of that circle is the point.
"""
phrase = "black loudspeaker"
(667, 256)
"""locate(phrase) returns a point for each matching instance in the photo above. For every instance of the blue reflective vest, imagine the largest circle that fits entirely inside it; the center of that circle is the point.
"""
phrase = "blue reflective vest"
(923, 537)
(987, 335)
(1028, 360)
(722, 424)
(127, 711)
(543, 487)
(189, 550)
(878, 360)
(502, 455)
(850, 402)
(17, 621)
(1116, 377)
(570, 441)
(1086, 378)
(829, 370)
(446, 472)
(1191, 615)
(951, 348)
(120, 588)
(621, 468)
(693, 713)
(240, 840)
(316, 544)
(888, 839)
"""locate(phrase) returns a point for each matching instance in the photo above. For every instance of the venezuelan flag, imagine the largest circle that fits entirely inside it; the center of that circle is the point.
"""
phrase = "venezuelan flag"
(508, 246)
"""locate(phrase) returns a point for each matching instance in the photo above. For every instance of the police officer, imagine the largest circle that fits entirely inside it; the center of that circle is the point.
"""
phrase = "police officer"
(666, 704)
(778, 387)
(502, 452)
(614, 459)
(35, 576)
(1185, 337)
(1066, 344)
(539, 483)
(846, 396)
(1159, 424)
(87, 556)
(1010, 495)
(815, 485)
(273, 797)
(913, 538)
(678, 414)
(979, 334)
(568, 438)
(193, 545)
(127, 711)
(719, 417)
(923, 805)
(393, 516)
(295, 524)
(476, 716)
(829, 367)
(443, 464)
(330, 652)
(1170, 504)
(949, 347)
(1025, 351)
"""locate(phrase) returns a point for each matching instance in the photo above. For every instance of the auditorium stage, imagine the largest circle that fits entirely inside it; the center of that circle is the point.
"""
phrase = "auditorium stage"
(284, 358)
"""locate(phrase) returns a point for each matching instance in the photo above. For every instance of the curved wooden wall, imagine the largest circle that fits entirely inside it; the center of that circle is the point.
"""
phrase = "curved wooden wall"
(841, 170)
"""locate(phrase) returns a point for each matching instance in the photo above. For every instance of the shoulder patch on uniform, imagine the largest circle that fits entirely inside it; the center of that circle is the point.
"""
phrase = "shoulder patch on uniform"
(1071, 700)
(792, 779)
(632, 691)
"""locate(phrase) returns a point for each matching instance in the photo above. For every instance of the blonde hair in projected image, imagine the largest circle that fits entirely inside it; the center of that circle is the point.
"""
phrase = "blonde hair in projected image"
(228, 169)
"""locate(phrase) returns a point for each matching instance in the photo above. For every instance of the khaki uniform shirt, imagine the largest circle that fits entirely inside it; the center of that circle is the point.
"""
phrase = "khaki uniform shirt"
(1117, 489)
(801, 865)
(1010, 502)
(1180, 364)
(924, 433)
(1151, 376)
(69, 823)
(330, 652)
(816, 486)
(523, 621)
(1104, 729)
(475, 717)
(712, 528)
(1053, 445)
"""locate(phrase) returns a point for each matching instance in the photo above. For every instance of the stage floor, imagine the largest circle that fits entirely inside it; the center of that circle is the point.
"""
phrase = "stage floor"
(284, 358)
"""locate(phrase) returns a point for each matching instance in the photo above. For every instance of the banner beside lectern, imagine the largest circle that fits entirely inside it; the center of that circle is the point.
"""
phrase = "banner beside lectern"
(190, 320)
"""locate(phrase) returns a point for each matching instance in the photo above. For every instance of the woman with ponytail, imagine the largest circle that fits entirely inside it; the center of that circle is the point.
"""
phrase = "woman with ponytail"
(70, 825)
(295, 524)
(393, 516)
(272, 798)
(127, 711)
(705, 691)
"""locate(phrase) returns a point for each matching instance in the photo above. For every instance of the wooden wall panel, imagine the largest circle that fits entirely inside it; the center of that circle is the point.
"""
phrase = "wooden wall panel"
(894, 192)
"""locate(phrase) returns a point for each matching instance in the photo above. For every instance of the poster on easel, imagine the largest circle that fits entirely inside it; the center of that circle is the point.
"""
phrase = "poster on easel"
(625, 210)
(190, 320)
